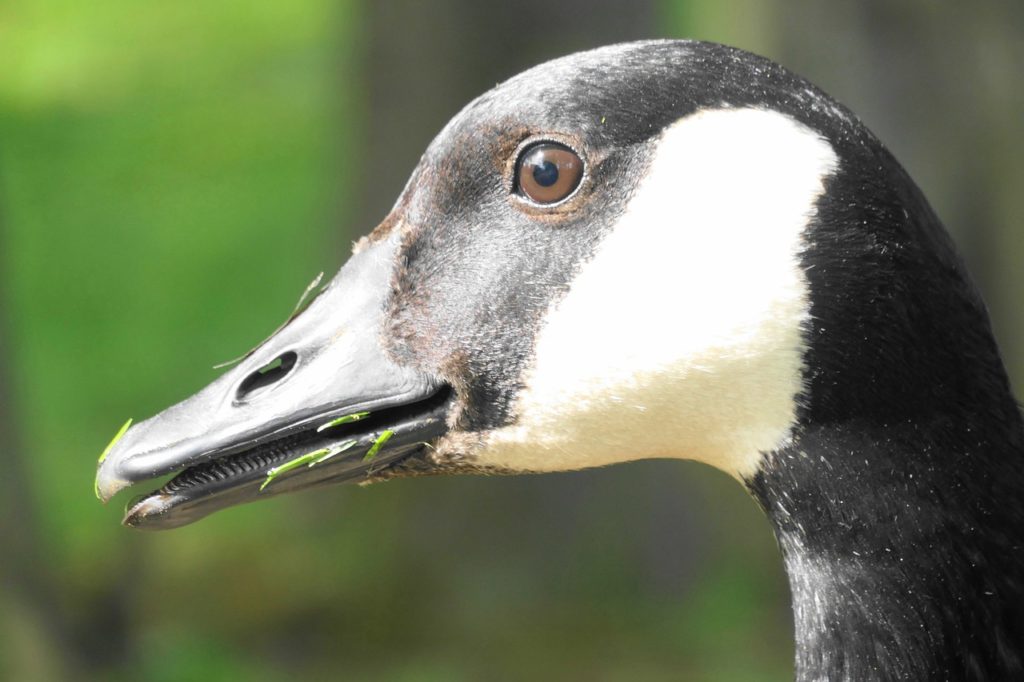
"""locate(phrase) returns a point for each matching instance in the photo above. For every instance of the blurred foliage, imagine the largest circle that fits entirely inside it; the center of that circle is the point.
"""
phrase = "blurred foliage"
(171, 177)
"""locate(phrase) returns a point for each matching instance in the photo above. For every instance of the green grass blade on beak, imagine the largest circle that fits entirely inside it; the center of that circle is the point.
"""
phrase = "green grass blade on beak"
(347, 419)
(292, 464)
(323, 454)
(377, 445)
(113, 442)
(337, 449)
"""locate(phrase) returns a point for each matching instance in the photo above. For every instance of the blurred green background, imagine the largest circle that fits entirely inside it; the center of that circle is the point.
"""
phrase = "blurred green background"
(173, 174)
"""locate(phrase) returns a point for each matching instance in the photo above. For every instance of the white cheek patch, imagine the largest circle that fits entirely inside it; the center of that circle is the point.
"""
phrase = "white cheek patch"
(682, 336)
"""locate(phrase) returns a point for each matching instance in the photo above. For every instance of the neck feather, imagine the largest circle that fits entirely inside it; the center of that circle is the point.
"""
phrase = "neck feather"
(904, 547)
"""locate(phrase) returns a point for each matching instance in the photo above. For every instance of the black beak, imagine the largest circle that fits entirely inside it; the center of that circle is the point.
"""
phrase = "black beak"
(319, 402)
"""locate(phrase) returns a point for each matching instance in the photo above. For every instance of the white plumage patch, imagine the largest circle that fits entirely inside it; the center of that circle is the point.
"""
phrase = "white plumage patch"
(682, 336)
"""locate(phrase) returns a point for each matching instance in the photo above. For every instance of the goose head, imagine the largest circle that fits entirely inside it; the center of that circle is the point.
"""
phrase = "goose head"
(665, 249)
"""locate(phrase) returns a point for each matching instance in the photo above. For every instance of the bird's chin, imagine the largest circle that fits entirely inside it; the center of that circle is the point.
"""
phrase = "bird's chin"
(303, 457)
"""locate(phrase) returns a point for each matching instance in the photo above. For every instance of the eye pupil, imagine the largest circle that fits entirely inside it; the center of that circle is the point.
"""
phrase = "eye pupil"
(545, 173)
(548, 173)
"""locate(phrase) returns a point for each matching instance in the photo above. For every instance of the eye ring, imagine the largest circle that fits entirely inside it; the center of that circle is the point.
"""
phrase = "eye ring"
(547, 173)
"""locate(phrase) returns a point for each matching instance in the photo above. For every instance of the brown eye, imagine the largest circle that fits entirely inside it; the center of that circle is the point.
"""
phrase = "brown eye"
(547, 173)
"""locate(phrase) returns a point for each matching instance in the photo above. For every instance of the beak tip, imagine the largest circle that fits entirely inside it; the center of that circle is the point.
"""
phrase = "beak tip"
(107, 485)
(148, 513)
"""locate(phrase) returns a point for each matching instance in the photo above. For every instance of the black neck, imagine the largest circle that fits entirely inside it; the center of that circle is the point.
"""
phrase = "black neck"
(904, 547)
(899, 503)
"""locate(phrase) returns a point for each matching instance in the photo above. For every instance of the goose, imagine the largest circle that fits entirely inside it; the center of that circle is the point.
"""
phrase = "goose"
(661, 249)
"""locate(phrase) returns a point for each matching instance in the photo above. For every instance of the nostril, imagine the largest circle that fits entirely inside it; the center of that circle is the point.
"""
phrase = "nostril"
(266, 376)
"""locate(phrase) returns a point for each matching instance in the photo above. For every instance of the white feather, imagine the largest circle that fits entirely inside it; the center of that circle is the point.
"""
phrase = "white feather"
(682, 336)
